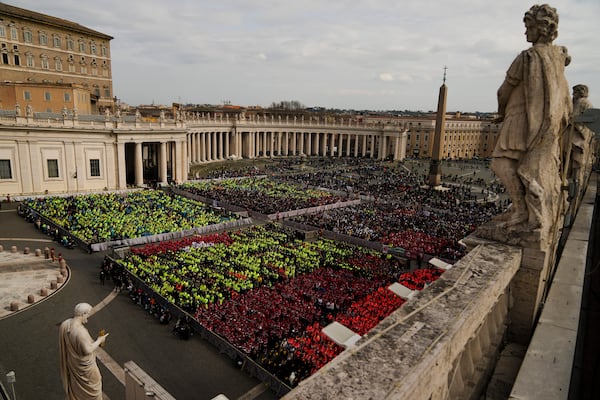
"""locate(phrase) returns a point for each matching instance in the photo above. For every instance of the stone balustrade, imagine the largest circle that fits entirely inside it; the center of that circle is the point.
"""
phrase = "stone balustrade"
(440, 344)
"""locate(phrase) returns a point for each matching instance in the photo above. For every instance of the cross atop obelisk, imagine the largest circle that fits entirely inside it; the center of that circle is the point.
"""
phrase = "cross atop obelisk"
(435, 167)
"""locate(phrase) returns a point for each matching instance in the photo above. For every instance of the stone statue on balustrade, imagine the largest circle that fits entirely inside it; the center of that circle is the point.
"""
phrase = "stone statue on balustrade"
(29, 111)
(534, 106)
(581, 136)
(78, 369)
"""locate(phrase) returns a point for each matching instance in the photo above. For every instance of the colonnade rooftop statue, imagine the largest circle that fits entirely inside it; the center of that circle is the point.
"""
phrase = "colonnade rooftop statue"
(534, 106)
(78, 369)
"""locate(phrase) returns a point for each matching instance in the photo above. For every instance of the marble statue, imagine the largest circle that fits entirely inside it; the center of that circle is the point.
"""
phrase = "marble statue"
(534, 106)
(581, 136)
(580, 99)
(78, 369)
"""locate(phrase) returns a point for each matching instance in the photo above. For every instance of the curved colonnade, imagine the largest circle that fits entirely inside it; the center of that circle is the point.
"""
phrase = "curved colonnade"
(213, 140)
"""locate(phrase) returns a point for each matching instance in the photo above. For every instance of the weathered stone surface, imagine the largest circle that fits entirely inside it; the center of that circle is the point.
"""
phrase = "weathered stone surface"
(530, 157)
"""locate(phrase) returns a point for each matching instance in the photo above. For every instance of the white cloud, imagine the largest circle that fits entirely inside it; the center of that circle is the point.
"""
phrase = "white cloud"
(374, 54)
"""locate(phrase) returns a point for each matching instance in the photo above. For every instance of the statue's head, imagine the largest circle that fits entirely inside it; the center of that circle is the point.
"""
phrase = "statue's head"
(544, 19)
(82, 310)
(580, 91)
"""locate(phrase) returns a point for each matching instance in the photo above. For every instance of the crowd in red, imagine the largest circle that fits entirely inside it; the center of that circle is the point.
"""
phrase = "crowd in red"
(178, 244)
(295, 358)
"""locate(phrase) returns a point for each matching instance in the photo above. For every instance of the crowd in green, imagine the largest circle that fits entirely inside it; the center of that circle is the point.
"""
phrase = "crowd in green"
(265, 291)
(223, 265)
(96, 218)
(261, 194)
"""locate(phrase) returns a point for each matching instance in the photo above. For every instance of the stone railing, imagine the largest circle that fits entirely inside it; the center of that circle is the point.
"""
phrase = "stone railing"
(60, 121)
(440, 344)
(546, 371)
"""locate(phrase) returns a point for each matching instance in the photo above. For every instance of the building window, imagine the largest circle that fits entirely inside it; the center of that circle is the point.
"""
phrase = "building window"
(17, 59)
(83, 69)
(71, 67)
(45, 63)
(93, 48)
(58, 64)
(56, 41)
(70, 44)
(29, 60)
(94, 167)
(14, 35)
(27, 95)
(2, 31)
(52, 168)
(104, 51)
(82, 47)
(43, 39)
(67, 97)
(5, 170)
(4, 58)
(97, 91)
(47, 96)
(106, 92)
(27, 37)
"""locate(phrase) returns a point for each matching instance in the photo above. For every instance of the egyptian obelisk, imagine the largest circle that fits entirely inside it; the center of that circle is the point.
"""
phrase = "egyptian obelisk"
(435, 167)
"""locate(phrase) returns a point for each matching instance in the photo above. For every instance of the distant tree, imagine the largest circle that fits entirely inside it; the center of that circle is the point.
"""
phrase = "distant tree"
(287, 105)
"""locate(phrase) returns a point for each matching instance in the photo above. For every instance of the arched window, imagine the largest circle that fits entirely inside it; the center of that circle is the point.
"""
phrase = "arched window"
(43, 39)
(57, 42)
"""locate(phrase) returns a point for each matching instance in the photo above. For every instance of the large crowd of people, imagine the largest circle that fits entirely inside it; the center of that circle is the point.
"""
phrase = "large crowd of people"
(96, 218)
(261, 194)
(261, 287)
(263, 290)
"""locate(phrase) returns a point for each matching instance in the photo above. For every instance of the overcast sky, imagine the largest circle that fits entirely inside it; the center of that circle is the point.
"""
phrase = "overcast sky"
(369, 54)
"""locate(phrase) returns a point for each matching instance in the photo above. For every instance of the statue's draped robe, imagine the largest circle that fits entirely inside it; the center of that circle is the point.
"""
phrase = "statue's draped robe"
(537, 115)
(78, 369)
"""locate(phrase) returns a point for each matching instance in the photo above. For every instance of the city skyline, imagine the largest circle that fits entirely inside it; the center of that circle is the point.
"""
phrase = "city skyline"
(374, 56)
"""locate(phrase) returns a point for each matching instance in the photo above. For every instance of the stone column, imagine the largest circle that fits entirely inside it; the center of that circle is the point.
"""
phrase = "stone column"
(309, 149)
(139, 165)
(279, 134)
(301, 144)
(356, 145)
(214, 152)
(331, 144)
(373, 146)
(227, 140)
(121, 166)
(294, 143)
(364, 145)
(162, 168)
(220, 145)
(347, 145)
(382, 147)
(192, 147)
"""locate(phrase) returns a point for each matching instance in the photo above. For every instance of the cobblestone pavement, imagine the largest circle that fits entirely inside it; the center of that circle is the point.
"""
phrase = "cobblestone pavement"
(190, 369)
